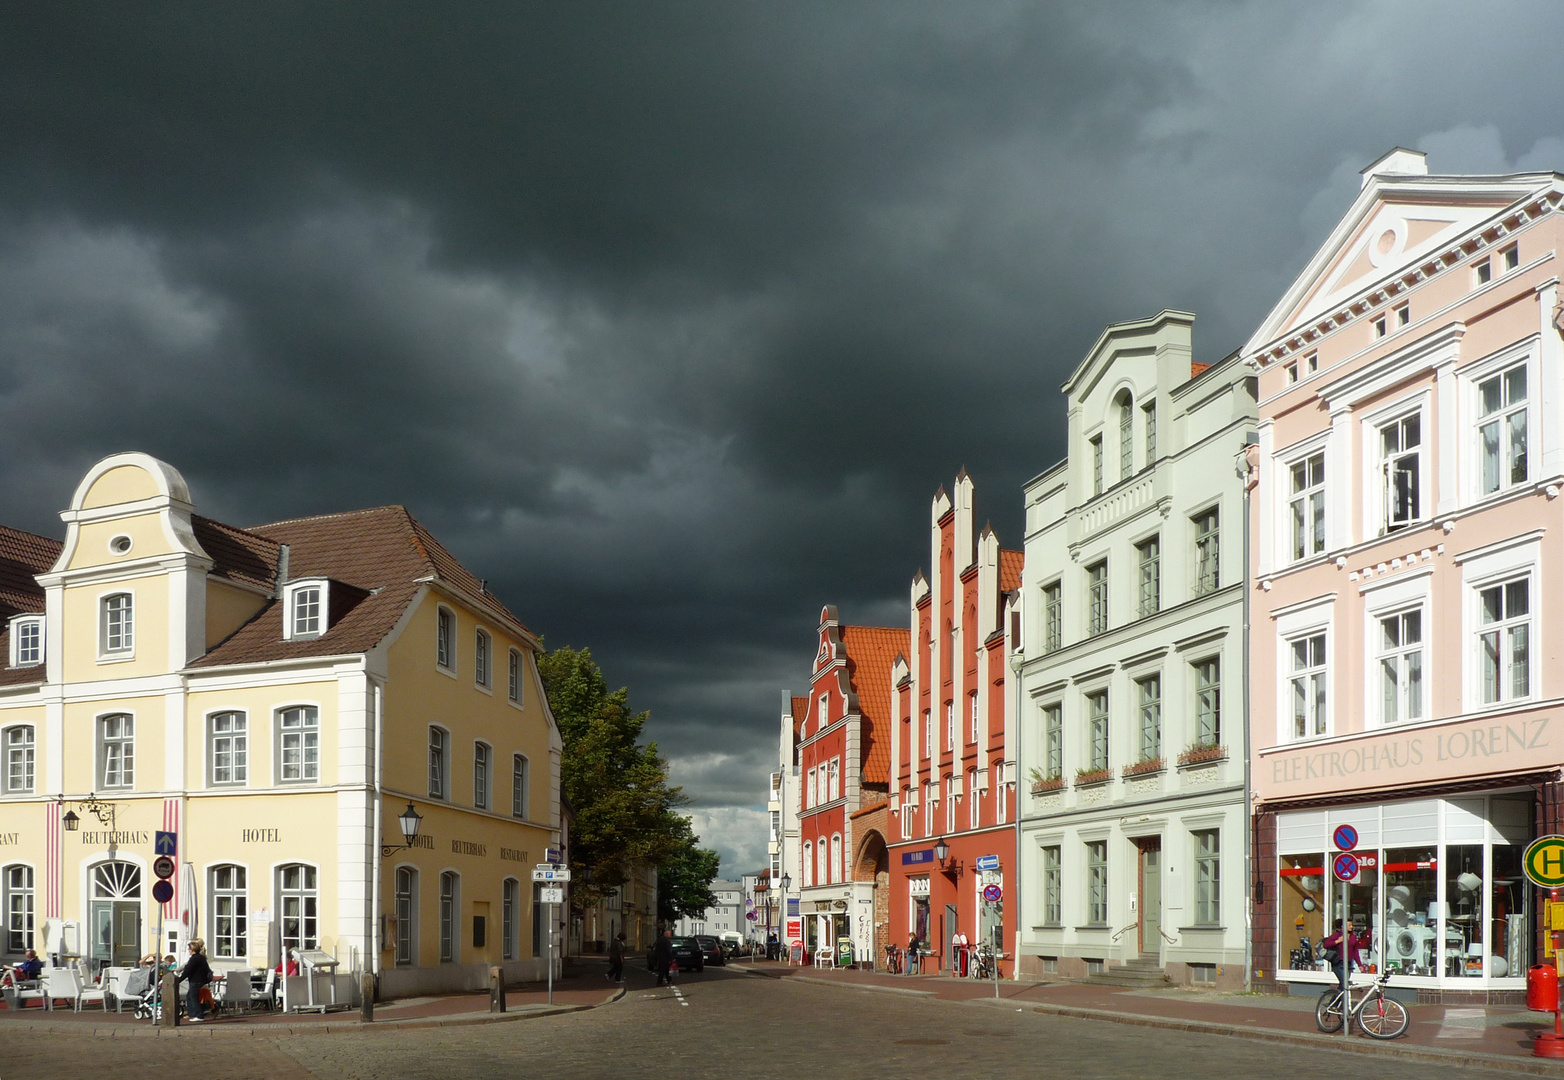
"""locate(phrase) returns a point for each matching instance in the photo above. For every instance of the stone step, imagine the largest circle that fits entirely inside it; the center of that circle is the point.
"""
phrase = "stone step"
(1135, 975)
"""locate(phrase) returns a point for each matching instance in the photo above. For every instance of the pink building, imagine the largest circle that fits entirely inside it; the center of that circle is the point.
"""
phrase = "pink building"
(1406, 531)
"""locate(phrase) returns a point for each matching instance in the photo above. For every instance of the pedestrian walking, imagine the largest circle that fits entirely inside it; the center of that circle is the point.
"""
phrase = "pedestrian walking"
(616, 958)
(662, 957)
(912, 953)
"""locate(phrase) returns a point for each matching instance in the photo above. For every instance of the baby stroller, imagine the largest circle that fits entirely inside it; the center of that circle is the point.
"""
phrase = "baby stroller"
(141, 988)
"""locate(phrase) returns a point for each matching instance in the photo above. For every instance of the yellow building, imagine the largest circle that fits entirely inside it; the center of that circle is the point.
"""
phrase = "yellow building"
(631, 908)
(275, 697)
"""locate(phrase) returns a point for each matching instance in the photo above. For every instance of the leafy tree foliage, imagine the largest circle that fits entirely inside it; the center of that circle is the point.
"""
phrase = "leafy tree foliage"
(617, 786)
(684, 880)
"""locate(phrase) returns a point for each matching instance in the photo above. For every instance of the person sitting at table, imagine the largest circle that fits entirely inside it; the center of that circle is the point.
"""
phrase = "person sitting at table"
(31, 967)
(293, 967)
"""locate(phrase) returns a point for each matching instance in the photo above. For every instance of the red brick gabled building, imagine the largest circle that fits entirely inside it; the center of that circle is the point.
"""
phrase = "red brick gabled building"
(844, 757)
(952, 739)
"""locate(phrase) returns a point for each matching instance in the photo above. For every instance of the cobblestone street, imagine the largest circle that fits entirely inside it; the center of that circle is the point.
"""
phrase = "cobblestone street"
(716, 1023)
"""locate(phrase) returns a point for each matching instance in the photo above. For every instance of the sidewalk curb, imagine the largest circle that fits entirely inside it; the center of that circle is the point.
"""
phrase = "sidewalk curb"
(863, 986)
(1405, 1051)
(225, 1031)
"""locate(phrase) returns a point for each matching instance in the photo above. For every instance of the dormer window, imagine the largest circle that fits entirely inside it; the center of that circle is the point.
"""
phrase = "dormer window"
(305, 611)
(27, 641)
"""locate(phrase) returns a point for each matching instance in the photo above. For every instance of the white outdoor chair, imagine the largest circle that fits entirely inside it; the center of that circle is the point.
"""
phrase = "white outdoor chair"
(114, 980)
(87, 994)
(16, 996)
(60, 984)
(266, 993)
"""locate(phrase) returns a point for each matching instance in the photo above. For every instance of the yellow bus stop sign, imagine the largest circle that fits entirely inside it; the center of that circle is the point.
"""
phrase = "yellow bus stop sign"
(1544, 862)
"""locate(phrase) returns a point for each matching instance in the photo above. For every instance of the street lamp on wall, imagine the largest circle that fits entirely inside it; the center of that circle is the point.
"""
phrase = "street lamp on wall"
(103, 811)
(942, 853)
(410, 819)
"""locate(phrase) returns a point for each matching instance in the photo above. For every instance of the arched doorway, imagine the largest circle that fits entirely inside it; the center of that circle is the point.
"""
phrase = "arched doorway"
(116, 913)
(873, 863)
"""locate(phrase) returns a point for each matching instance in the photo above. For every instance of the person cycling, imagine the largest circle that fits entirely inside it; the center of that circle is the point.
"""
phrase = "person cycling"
(1346, 947)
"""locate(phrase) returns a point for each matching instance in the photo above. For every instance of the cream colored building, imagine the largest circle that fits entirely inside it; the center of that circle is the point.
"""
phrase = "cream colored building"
(275, 697)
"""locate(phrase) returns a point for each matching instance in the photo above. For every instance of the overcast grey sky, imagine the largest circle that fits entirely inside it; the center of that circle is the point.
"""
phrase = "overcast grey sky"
(670, 318)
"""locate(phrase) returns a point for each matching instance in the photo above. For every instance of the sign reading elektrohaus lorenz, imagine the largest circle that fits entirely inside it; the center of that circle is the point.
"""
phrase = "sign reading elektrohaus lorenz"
(1473, 741)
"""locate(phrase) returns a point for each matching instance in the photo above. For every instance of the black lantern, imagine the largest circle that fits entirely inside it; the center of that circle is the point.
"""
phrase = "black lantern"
(71, 821)
(941, 850)
(787, 882)
(409, 819)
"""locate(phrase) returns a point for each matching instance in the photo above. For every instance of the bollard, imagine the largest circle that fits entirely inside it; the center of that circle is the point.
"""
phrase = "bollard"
(366, 998)
(496, 989)
(170, 996)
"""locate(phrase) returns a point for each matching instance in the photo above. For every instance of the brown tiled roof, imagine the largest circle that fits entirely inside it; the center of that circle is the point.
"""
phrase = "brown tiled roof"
(384, 552)
(23, 557)
(1198, 368)
(1010, 563)
(800, 706)
(238, 555)
(871, 650)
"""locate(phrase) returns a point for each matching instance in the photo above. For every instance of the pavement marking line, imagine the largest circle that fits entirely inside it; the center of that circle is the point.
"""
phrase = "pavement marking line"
(680, 995)
(1463, 1024)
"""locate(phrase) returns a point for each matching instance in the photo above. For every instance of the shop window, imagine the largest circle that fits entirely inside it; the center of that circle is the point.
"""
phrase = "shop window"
(1412, 912)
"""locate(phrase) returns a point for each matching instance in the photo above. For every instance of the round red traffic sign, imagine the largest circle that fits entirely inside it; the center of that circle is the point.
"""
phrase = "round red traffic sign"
(1345, 838)
(1345, 866)
(162, 892)
(163, 867)
(992, 893)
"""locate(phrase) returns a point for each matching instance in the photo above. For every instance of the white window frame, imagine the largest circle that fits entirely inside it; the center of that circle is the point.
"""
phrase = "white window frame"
(1468, 454)
(1199, 543)
(1376, 476)
(20, 624)
(309, 772)
(294, 595)
(1483, 568)
(974, 804)
(1304, 620)
(127, 754)
(445, 628)
(482, 775)
(438, 775)
(483, 659)
(1052, 858)
(1208, 873)
(1053, 615)
(1094, 763)
(1197, 738)
(1411, 589)
(1148, 717)
(237, 893)
(1095, 445)
(809, 864)
(304, 895)
(1148, 575)
(23, 756)
(1097, 895)
(19, 905)
(1053, 740)
(1313, 496)
(1126, 406)
(834, 771)
(126, 647)
(1099, 616)
(1281, 504)
(520, 786)
(238, 739)
(837, 871)
(517, 677)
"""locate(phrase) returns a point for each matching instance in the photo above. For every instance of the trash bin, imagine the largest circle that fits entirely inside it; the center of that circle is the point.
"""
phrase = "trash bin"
(1542, 988)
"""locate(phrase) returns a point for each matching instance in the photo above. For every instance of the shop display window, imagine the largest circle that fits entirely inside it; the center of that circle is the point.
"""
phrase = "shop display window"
(1411, 945)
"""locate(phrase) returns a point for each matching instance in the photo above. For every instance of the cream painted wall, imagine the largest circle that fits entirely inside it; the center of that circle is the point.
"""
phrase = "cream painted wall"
(122, 484)
(261, 705)
(227, 609)
(80, 625)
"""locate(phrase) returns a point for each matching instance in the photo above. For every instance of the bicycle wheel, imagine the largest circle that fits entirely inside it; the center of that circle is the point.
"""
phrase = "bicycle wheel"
(1383, 1018)
(1327, 1011)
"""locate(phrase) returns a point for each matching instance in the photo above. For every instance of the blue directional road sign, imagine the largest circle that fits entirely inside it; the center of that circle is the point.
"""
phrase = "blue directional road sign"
(988, 862)
(165, 843)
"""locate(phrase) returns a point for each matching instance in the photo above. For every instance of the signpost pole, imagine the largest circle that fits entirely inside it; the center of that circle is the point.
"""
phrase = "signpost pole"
(551, 954)
(1346, 966)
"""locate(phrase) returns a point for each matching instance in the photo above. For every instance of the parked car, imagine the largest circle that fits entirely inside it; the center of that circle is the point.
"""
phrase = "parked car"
(711, 950)
(686, 953)
(733, 942)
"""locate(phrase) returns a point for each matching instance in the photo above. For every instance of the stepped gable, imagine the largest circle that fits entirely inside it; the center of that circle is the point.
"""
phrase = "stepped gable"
(384, 551)
(871, 650)
(23, 557)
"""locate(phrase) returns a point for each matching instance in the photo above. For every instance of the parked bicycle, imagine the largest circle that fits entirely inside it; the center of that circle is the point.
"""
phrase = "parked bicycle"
(982, 965)
(1378, 1015)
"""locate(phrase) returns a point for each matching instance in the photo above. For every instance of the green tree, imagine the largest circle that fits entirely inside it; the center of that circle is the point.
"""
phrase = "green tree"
(684, 880)
(617, 786)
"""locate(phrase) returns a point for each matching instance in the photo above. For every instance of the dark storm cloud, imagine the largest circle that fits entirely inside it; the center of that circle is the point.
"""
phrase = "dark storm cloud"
(670, 318)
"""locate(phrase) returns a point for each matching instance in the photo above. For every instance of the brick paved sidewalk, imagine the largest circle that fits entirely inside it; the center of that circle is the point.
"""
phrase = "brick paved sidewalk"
(1497, 1031)
(584, 987)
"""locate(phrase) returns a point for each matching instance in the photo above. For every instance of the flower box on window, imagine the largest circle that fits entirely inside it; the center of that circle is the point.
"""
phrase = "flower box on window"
(1201, 753)
(1147, 767)
(1043, 786)
(1087, 777)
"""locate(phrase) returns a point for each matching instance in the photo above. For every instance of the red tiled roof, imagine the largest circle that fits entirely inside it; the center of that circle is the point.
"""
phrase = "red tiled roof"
(871, 650)
(236, 554)
(1198, 369)
(385, 552)
(1010, 563)
(23, 557)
